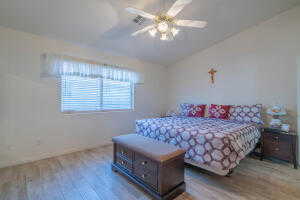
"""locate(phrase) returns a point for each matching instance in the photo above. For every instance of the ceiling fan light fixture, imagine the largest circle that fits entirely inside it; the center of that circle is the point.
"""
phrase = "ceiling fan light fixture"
(163, 36)
(153, 32)
(163, 27)
(166, 23)
(174, 31)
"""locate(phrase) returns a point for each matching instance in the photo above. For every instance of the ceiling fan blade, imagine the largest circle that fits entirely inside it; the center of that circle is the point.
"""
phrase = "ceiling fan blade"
(147, 28)
(140, 12)
(191, 23)
(177, 7)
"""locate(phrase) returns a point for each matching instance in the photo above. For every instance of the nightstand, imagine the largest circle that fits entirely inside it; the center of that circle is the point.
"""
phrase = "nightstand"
(280, 145)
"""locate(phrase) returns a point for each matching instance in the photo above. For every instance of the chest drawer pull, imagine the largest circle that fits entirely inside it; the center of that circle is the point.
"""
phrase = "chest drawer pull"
(144, 175)
(122, 162)
(144, 162)
(277, 149)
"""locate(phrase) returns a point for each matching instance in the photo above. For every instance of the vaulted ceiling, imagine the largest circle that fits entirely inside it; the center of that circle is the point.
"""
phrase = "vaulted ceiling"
(105, 25)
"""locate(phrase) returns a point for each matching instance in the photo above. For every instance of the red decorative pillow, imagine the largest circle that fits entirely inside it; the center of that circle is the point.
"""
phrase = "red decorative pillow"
(219, 111)
(197, 111)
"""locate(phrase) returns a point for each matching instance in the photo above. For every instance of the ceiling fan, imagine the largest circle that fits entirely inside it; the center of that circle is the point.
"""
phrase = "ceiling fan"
(165, 23)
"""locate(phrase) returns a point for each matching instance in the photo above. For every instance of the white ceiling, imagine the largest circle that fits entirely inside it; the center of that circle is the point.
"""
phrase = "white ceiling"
(104, 24)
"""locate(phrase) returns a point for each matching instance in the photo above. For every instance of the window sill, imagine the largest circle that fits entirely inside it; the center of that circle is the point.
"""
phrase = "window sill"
(95, 112)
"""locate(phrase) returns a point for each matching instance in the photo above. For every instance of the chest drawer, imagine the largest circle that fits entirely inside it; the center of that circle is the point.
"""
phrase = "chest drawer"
(127, 165)
(147, 176)
(124, 152)
(141, 161)
(278, 146)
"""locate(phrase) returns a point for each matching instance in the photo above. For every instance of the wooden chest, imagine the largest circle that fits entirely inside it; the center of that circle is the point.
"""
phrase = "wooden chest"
(157, 167)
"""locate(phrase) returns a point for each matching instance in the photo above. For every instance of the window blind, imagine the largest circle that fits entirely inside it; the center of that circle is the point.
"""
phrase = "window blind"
(95, 94)
(116, 95)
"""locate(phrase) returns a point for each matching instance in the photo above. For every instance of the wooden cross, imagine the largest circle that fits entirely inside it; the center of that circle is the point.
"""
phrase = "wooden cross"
(212, 73)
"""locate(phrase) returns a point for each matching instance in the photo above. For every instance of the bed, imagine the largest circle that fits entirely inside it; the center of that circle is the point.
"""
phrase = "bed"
(213, 144)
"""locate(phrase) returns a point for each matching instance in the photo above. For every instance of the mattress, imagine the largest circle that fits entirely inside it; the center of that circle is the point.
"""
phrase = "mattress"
(213, 144)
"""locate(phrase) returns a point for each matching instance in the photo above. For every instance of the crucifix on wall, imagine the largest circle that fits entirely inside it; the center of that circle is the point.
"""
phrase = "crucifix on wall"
(212, 73)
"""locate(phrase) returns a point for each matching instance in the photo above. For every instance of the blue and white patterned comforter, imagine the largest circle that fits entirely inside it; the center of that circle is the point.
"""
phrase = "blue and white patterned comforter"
(218, 143)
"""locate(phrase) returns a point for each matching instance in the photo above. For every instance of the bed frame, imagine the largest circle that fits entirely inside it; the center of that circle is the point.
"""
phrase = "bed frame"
(209, 168)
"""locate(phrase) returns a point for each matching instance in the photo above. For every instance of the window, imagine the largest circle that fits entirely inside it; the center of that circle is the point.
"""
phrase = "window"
(95, 94)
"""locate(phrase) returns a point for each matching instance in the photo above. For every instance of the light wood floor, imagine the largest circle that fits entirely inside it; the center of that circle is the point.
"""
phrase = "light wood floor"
(87, 175)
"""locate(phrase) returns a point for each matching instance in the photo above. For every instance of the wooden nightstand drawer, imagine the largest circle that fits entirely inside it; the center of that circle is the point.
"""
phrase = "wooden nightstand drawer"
(275, 137)
(277, 148)
(280, 145)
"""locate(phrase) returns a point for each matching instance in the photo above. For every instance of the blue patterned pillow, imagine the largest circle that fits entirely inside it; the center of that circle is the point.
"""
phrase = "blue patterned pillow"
(246, 113)
(185, 108)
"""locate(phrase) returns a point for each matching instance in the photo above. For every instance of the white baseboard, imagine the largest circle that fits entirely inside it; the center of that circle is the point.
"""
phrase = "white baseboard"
(48, 155)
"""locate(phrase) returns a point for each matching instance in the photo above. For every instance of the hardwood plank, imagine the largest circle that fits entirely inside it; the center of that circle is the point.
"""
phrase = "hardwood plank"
(103, 168)
(49, 183)
(68, 189)
(20, 184)
(113, 182)
(80, 183)
(98, 185)
(87, 175)
(33, 181)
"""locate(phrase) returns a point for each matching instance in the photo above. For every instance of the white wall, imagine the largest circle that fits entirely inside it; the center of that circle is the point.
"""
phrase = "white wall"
(298, 103)
(258, 65)
(31, 124)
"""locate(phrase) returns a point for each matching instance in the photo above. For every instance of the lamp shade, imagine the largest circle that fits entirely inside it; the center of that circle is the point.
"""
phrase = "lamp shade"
(276, 110)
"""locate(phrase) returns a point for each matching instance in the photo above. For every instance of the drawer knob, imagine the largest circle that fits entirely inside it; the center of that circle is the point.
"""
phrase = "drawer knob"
(144, 163)
(144, 176)
(276, 149)
(122, 162)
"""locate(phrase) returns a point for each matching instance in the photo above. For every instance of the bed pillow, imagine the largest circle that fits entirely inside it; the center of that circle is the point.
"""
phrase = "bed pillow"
(185, 108)
(246, 113)
(197, 110)
(219, 111)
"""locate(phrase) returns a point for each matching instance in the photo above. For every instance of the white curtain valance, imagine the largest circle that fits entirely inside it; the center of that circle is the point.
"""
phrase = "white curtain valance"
(60, 65)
